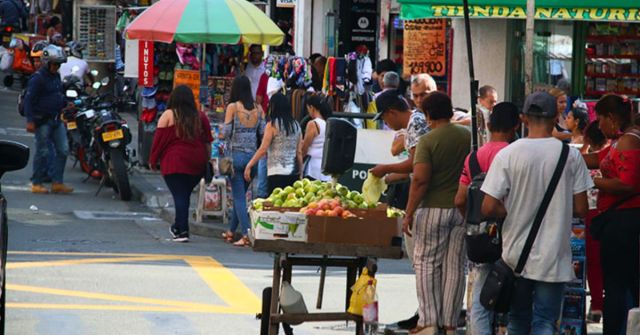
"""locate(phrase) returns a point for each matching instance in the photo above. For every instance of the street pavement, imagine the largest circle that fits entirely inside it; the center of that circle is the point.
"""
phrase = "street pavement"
(91, 264)
(87, 264)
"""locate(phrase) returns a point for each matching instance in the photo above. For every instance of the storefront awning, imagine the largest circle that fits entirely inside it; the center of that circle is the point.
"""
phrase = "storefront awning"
(586, 10)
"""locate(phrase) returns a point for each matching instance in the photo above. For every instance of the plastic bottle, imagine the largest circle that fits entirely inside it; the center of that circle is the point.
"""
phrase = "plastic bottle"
(370, 309)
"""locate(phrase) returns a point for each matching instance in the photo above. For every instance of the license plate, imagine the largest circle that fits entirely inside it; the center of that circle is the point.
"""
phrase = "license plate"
(71, 125)
(112, 135)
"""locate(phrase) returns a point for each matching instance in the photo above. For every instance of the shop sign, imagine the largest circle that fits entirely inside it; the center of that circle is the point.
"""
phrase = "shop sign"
(145, 63)
(190, 78)
(518, 12)
(364, 21)
(286, 3)
(424, 47)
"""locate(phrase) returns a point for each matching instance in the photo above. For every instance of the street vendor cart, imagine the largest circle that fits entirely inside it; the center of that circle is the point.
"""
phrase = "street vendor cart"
(340, 230)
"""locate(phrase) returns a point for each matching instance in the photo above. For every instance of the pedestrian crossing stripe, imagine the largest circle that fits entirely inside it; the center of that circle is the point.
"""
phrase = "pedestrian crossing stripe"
(238, 298)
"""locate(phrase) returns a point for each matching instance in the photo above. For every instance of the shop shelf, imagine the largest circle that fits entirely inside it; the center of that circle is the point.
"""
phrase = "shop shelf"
(598, 93)
(609, 75)
(590, 57)
(612, 38)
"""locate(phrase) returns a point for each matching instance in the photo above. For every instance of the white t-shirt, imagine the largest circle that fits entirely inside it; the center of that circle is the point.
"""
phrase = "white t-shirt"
(66, 69)
(520, 174)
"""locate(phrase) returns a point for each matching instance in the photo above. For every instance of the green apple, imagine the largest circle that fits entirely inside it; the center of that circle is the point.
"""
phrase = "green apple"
(373, 205)
(342, 191)
(277, 203)
(291, 196)
(300, 193)
(289, 189)
(358, 199)
(271, 199)
(298, 184)
(351, 204)
(306, 182)
(276, 191)
(363, 205)
(309, 197)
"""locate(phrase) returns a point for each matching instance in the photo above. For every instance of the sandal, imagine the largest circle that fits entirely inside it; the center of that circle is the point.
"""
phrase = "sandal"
(227, 236)
(243, 242)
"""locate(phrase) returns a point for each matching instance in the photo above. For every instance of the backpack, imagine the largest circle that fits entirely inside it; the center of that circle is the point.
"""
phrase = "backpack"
(22, 96)
(484, 244)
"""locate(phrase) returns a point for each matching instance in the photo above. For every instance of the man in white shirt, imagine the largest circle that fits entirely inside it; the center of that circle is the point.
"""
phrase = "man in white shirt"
(255, 68)
(514, 187)
(75, 65)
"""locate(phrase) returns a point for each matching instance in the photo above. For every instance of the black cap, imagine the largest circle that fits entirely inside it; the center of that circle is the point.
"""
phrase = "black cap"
(390, 99)
(541, 104)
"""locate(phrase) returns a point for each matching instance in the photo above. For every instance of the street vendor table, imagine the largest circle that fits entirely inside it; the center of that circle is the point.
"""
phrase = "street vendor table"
(351, 257)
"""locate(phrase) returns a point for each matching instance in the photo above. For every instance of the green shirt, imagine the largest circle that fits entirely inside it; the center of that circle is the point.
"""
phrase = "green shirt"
(445, 149)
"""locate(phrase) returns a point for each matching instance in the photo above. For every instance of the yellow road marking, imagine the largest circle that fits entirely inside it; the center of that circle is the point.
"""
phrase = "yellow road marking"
(66, 262)
(224, 283)
(134, 308)
(239, 298)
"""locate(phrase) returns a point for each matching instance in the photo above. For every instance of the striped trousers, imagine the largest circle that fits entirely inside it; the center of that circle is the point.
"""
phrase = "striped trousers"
(439, 259)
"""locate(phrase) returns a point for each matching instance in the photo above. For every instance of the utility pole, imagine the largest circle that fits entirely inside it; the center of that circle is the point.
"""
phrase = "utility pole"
(528, 50)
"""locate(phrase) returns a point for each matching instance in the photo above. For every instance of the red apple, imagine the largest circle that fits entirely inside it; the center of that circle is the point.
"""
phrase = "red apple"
(310, 212)
(320, 212)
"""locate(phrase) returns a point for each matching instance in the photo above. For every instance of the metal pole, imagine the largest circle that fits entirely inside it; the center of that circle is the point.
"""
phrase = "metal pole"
(528, 50)
(472, 78)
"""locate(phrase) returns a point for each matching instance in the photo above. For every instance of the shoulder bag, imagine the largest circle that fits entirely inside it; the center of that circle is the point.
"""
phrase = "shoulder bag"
(225, 164)
(498, 288)
(613, 214)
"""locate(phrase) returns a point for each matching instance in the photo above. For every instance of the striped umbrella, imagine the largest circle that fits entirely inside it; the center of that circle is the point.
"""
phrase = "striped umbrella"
(205, 21)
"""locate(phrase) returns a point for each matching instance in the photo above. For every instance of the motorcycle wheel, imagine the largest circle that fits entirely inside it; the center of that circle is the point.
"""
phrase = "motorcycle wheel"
(8, 81)
(119, 174)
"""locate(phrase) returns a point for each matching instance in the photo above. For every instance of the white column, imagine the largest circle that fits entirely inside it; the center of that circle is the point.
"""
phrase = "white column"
(302, 28)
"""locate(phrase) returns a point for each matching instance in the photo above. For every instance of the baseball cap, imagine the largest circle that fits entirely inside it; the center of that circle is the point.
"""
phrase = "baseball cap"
(540, 104)
(390, 99)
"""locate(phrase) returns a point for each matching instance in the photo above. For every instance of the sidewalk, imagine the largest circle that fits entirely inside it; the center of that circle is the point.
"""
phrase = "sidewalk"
(150, 189)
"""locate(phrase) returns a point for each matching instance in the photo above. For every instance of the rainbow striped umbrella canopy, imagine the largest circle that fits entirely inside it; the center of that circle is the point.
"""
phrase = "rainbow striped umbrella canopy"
(205, 21)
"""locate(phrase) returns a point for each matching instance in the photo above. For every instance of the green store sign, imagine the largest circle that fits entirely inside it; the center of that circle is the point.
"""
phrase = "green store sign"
(588, 14)
(587, 10)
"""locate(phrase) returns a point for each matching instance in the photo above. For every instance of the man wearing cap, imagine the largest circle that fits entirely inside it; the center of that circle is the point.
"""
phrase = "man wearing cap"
(515, 185)
(394, 110)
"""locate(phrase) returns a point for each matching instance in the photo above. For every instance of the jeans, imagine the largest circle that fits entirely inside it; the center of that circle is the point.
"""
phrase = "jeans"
(263, 184)
(239, 186)
(481, 318)
(181, 185)
(535, 307)
(52, 130)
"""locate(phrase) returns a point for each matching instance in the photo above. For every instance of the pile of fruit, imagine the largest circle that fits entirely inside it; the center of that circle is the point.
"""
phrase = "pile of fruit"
(308, 194)
(327, 208)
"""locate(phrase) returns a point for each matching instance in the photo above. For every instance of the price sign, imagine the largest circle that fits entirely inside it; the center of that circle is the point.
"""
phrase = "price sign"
(190, 78)
(425, 47)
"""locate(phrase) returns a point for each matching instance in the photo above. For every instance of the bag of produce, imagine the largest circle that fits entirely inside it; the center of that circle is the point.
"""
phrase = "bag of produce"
(373, 188)
(358, 292)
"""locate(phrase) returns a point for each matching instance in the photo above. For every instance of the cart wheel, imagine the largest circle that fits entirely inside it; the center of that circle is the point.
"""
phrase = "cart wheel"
(266, 311)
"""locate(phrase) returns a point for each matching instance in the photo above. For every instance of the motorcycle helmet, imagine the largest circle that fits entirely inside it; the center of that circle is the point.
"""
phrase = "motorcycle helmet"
(75, 48)
(36, 51)
(57, 39)
(53, 54)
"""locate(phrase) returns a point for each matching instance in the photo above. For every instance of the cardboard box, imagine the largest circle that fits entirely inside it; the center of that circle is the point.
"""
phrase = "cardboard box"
(273, 225)
(369, 231)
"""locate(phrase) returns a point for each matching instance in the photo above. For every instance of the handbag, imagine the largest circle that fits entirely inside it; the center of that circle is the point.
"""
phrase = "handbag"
(498, 288)
(612, 214)
(483, 240)
(225, 164)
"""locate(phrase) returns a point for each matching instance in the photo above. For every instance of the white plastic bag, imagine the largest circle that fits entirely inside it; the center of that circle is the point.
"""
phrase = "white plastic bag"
(6, 61)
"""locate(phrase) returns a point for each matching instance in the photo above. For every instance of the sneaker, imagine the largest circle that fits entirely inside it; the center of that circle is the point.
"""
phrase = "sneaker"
(60, 188)
(409, 323)
(38, 188)
(181, 237)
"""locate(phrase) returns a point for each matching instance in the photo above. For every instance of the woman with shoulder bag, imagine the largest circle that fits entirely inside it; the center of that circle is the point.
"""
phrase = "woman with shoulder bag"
(313, 143)
(282, 142)
(242, 125)
(618, 224)
(182, 145)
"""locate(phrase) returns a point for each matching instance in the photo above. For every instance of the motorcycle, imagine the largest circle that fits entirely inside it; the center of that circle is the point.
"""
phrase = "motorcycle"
(111, 135)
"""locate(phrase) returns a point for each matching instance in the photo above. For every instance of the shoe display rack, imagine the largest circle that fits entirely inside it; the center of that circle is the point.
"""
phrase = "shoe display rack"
(95, 27)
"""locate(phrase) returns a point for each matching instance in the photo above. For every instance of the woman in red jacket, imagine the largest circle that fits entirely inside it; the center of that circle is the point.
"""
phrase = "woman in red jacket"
(619, 192)
(182, 146)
